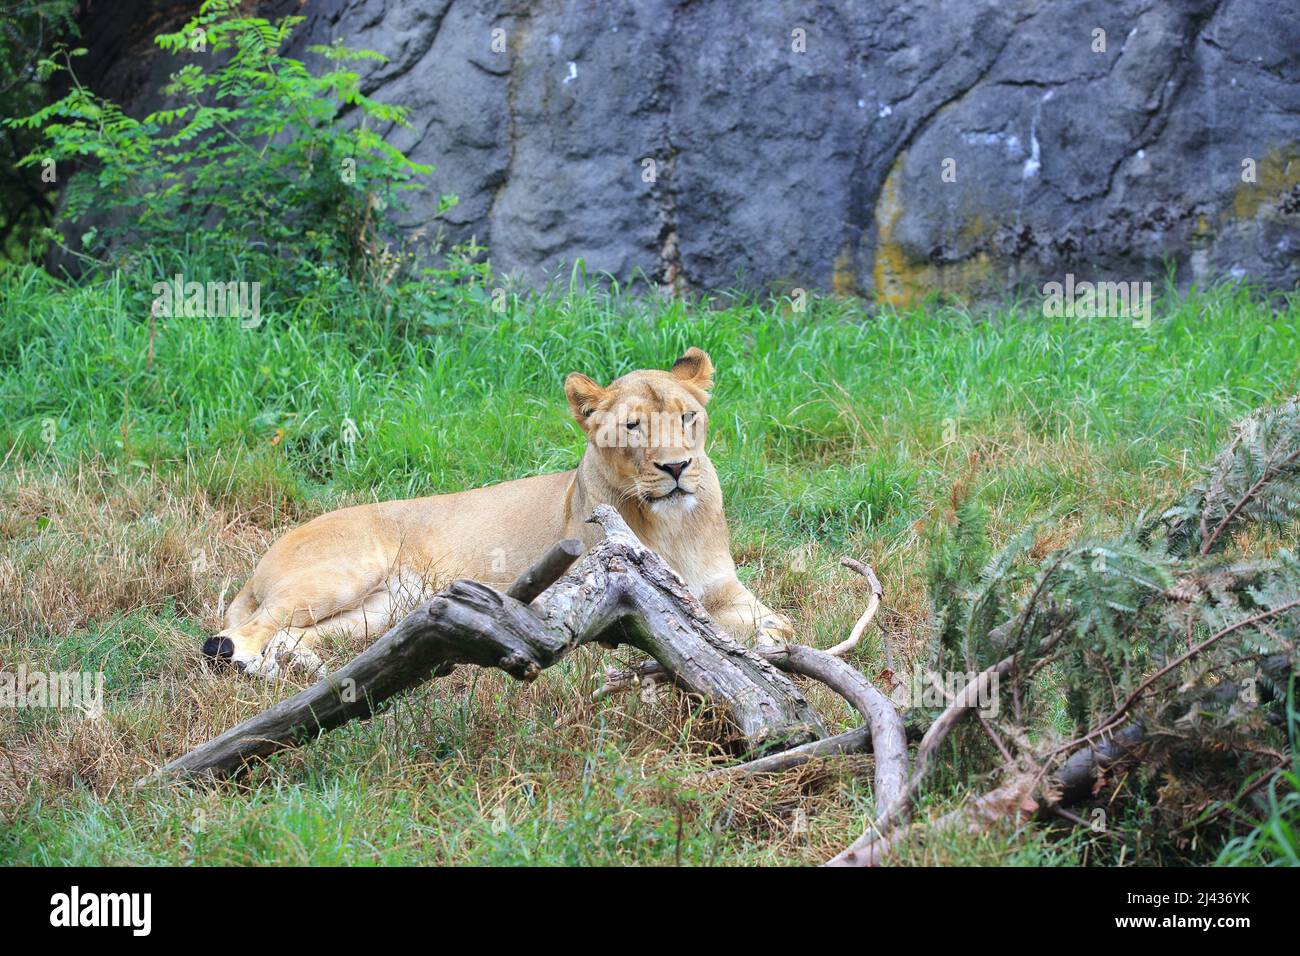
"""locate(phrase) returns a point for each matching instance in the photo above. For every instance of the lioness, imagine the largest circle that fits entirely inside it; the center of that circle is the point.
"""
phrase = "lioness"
(352, 570)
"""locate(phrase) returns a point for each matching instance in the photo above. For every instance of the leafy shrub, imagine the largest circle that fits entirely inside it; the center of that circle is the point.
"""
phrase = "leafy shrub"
(258, 155)
(28, 30)
(1169, 642)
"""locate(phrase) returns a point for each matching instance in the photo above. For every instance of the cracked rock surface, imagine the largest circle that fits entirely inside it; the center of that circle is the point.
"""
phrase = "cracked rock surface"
(909, 146)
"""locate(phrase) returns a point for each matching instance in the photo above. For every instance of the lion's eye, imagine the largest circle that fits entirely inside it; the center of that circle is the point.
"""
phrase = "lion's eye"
(633, 426)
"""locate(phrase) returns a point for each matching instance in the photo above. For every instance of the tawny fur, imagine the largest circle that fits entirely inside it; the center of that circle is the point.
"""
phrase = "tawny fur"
(353, 569)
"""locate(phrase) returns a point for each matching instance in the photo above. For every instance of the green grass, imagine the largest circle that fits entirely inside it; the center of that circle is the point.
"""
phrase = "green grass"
(135, 490)
(1273, 837)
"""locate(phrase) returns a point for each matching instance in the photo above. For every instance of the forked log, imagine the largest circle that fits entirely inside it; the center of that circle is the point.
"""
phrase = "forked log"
(884, 734)
(620, 592)
(617, 681)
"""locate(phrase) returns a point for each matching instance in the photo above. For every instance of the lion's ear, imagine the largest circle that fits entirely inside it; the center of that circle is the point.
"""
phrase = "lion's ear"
(583, 394)
(695, 368)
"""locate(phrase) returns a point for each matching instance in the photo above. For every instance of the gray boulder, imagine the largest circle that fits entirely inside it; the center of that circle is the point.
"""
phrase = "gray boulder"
(888, 149)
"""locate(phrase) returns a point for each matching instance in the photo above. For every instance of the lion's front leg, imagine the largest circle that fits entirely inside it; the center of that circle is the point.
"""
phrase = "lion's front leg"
(744, 617)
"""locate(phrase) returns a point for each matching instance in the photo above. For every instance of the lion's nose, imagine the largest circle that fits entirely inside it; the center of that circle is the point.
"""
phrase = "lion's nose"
(674, 468)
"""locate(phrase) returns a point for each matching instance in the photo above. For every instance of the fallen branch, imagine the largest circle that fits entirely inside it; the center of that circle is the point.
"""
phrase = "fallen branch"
(1074, 781)
(1017, 800)
(888, 736)
(620, 592)
(1014, 800)
(857, 740)
(549, 568)
(859, 852)
(1183, 658)
(873, 605)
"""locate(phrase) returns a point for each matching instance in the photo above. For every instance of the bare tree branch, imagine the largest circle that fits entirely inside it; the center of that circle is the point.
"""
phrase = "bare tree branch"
(888, 736)
(873, 605)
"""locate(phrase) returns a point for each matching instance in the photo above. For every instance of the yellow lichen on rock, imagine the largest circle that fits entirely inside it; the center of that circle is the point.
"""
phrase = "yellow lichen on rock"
(1276, 172)
(891, 271)
(844, 277)
(903, 282)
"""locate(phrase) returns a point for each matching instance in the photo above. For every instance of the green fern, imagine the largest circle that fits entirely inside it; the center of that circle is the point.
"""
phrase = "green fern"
(1255, 480)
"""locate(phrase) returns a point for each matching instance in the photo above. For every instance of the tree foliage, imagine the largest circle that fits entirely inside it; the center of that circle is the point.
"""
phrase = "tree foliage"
(28, 30)
(256, 152)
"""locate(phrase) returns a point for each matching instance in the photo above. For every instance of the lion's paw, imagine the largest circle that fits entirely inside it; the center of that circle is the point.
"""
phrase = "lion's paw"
(283, 656)
(773, 631)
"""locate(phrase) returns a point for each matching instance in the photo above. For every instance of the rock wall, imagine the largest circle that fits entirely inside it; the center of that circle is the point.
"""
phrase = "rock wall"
(887, 148)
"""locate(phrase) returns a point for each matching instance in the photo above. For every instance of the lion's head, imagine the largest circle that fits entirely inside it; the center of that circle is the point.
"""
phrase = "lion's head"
(646, 430)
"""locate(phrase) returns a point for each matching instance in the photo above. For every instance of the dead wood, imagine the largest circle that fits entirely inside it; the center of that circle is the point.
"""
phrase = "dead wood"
(620, 592)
